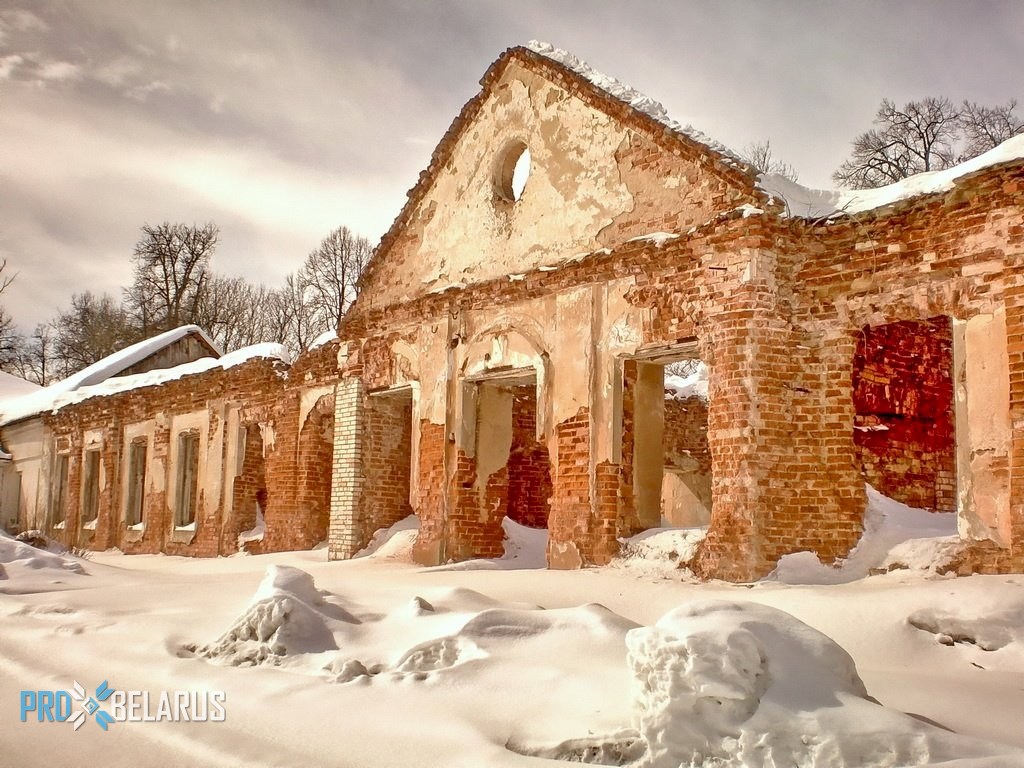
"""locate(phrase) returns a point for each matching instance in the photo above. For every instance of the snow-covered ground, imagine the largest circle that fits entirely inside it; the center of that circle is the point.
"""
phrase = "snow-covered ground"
(378, 662)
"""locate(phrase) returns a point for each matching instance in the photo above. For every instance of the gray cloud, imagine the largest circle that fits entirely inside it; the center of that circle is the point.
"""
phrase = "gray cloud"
(281, 120)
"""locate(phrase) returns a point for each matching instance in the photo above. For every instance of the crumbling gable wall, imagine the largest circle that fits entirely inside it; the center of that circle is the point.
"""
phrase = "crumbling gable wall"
(601, 173)
(474, 286)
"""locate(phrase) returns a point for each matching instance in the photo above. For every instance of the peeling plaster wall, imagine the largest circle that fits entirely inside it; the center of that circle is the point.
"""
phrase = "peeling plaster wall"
(984, 429)
(26, 441)
(594, 183)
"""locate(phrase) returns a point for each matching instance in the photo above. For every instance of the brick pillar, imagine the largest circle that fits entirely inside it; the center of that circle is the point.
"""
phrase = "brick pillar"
(569, 525)
(1015, 348)
(780, 424)
(343, 535)
(430, 497)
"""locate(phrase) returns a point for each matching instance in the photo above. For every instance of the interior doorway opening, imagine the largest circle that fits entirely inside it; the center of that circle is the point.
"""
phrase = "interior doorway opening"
(666, 456)
(388, 459)
(513, 465)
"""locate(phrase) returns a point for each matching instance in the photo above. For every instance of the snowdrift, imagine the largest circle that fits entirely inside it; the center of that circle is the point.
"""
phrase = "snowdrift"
(712, 683)
(17, 555)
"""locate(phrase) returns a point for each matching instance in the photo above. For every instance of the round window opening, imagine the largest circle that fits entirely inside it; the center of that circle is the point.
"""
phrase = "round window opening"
(513, 171)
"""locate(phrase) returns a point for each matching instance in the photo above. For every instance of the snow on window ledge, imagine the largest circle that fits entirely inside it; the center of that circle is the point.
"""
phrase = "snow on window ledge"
(136, 527)
(190, 527)
(59, 526)
(90, 525)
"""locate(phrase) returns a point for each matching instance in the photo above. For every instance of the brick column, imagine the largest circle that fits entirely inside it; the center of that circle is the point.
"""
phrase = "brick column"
(343, 535)
(780, 429)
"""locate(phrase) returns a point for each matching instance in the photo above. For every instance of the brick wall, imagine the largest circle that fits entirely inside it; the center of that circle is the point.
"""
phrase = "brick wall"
(295, 474)
(777, 308)
(687, 454)
(529, 466)
(686, 434)
(903, 393)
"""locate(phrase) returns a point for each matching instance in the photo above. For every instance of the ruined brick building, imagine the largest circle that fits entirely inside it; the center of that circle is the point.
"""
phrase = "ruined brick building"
(167, 446)
(506, 356)
(524, 333)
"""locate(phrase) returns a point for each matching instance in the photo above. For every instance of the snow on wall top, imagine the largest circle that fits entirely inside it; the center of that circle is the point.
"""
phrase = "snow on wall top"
(821, 203)
(639, 101)
(800, 201)
(55, 397)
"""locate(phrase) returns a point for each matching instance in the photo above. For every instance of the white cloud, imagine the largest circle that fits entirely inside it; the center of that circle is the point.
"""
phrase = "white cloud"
(118, 72)
(23, 21)
(58, 71)
(143, 92)
(8, 64)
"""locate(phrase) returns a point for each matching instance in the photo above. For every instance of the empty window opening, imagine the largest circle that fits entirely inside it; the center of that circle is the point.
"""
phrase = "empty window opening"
(388, 458)
(666, 457)
(513, 171)
(90, 488)
(529, 465)
(513, 467)
(904, 427)
(187, 480)
(136, 484)
(59, 492)
(249, 491)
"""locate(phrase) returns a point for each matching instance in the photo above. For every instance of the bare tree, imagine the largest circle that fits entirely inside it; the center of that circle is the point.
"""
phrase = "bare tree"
(10, 339)
(987, 127)
(922, 136)
(236, 313)
(95, 326)
(35, 359)
(171, 275)
(291, 318)
(331, 272)
(760, 155)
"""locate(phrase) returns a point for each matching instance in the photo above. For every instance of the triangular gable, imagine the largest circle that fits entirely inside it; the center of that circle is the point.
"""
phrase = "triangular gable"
(607, 166)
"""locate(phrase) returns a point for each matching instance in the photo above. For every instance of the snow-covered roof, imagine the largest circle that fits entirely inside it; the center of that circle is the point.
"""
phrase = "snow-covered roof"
(111, 365)
(13, 386)
(634, 98)
(825, 203)
(58, 395)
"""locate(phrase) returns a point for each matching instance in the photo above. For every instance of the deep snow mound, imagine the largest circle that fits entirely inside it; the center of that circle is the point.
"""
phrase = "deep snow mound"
(287, 617)
(720, 683)
(19, 554)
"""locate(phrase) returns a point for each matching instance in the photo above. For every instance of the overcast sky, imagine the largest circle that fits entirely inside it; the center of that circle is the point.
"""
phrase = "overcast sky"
(282, 120)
